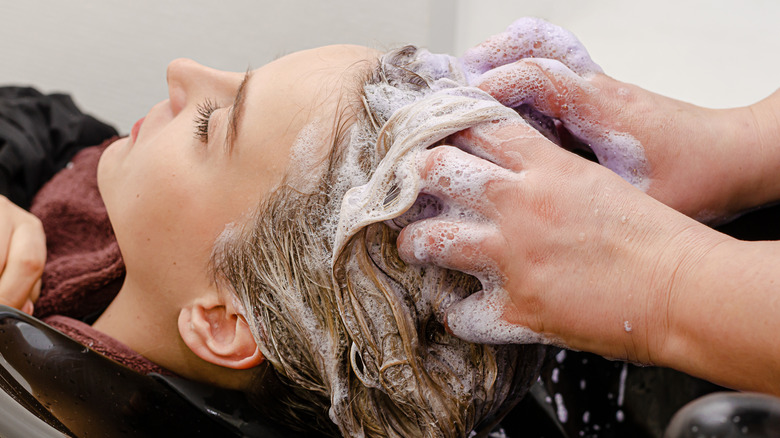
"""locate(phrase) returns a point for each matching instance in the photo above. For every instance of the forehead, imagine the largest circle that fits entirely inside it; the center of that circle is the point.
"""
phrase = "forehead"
(310, 83)
(289, 94)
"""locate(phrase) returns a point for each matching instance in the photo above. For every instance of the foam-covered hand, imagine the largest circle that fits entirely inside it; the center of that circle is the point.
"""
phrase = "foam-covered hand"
(678, 153)
(528, 37)
(22, 256)
(567, 252)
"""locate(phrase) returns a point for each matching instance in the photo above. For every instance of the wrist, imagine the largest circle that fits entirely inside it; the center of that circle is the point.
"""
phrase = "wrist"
(686, 293)
(721, 317)
(694, 154)
(675, 253)
(759, 142)
(743, 160)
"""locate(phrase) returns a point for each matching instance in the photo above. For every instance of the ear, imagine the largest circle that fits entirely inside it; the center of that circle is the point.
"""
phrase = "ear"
(219, 335)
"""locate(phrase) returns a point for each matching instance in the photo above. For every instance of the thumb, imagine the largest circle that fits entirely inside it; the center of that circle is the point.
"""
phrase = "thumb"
(481, 318)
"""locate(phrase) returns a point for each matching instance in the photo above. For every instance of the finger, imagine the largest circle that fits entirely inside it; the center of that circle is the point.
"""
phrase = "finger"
(529, 38)
(465, 246)
(6, 228)
(511, 144)
(28, 307)
(547, 85)
(482, 318)
(554, 91)
(463, 184)
(24, 266)
(36, 291)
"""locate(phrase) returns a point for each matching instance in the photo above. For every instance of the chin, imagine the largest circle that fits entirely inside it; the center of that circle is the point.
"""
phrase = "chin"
(107, 168)
(107, 162)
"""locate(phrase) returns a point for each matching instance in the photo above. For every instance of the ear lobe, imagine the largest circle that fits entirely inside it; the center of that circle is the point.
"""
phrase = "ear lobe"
(219, 336)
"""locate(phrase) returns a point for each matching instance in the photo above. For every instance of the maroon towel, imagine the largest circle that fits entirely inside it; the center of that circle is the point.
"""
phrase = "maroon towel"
(84, 268)
(105, 345)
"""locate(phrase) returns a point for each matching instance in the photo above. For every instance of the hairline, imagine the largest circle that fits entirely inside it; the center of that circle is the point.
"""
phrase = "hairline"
(341, 129)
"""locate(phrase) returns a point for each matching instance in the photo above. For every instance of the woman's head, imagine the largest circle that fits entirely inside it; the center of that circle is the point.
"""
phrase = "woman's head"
(355, 334)
(203, 159)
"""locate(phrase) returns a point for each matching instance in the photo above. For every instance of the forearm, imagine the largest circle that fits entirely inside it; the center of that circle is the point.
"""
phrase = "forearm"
(758, 148)
(681, 295)
(709, 164)
(724, 317)
(737, 158)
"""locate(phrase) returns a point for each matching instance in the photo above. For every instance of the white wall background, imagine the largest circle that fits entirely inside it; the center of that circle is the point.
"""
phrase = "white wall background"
(714, 53)
(111, 54)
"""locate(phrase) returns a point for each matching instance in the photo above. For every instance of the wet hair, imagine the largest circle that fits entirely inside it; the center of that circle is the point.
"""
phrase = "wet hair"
(350, 349)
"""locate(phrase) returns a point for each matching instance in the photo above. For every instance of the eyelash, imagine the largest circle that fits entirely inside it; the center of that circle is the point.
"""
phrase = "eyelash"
(204, 111)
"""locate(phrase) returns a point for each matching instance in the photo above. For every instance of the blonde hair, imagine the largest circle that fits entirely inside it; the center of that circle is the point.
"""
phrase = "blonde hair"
(355, 352)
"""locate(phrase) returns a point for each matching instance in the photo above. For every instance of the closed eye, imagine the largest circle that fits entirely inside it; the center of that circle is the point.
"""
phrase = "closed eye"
(202, 116)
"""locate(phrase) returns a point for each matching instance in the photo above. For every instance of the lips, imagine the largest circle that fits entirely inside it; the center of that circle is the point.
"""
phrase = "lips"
(136, 128)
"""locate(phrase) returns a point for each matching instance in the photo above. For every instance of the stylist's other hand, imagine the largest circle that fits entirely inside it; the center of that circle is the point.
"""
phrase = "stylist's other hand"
(22, 256)
(528, 37)
(690, 158)
(567, 251)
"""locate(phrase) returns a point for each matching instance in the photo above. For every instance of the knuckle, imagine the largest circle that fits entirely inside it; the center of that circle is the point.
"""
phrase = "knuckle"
(31, 265)
(441, 154)
(492, 245)
(436, 159)
(34, 223)
(503, 193)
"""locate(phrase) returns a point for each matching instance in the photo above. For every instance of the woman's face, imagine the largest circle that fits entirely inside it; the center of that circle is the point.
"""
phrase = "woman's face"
(205, 157)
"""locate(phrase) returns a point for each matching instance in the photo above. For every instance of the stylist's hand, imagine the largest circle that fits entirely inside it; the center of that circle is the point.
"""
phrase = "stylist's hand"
(22, 256)
(586, 259)
(696, 160)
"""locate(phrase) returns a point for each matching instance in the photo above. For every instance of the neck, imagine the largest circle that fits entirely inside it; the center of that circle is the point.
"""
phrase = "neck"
(146, 325)
(149, 325)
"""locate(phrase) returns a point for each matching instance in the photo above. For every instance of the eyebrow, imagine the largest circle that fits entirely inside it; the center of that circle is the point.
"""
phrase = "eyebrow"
(238, 112)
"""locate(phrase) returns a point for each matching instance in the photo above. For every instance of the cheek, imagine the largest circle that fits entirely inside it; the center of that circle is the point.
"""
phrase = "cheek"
(144, 198)
(162, 201)
(182, 209)
(169, 230)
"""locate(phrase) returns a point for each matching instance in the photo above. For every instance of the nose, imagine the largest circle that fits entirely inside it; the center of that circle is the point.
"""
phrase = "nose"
(189, 83)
